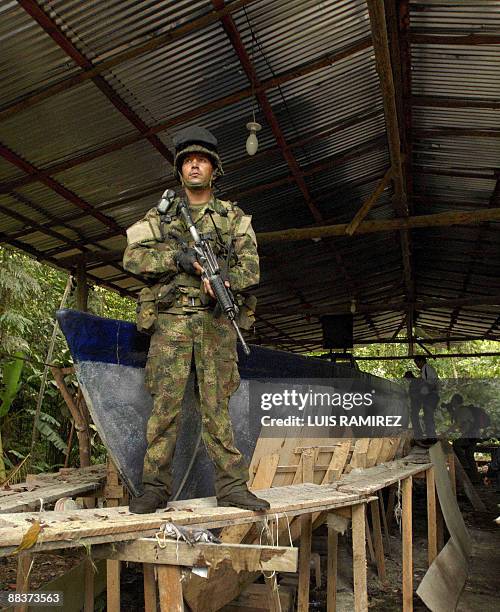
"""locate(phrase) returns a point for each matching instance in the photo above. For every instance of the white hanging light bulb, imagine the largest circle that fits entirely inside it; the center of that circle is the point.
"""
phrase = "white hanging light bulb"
(252, 142)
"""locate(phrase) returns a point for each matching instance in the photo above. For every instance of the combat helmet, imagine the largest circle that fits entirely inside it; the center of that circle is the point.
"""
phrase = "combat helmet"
(196, 139)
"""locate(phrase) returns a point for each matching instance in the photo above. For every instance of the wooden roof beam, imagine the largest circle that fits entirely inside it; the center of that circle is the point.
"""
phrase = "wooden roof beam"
(424, 38)
(446, 219)
(395, 134)
(386, 306)
(447, 102)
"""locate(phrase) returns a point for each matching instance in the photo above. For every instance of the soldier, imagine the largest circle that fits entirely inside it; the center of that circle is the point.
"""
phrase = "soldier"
(179, 309)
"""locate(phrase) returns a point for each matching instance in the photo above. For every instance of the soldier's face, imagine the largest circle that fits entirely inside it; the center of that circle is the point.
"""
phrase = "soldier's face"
(197, 169)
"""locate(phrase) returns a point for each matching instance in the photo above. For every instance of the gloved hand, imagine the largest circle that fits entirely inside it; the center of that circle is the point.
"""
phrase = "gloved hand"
(185, 260)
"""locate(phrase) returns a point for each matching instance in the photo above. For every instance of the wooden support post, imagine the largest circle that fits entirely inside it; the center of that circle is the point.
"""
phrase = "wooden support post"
(149, 587)
(359, 558)
(82, 289)
(384, 521)
(270, 579)
(112, 494)
(112, 586)
(170, 588)
(316, 561)
(369, 541)
(431, 516)
(331, 575)
(23, 577)
(88, 604)
(407, 561)
(390, 507)
(304, 563)
(81, 425)
(377, 540)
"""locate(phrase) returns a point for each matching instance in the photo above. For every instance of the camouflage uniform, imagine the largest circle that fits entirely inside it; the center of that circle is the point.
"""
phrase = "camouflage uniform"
(186, 326)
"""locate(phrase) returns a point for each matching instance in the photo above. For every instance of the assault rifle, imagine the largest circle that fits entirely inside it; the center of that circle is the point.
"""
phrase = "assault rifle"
(212, 273)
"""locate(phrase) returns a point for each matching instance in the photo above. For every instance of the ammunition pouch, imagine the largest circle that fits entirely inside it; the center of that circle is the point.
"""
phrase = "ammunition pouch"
(150, 302)
(247, 304)
(146, 310)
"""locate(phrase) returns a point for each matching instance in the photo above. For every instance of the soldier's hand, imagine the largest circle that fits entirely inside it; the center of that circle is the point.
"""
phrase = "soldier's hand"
(207, 287)
(186, 261)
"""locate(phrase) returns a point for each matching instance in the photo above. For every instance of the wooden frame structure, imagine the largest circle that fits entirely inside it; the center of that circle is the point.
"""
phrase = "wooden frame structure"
(117, 536)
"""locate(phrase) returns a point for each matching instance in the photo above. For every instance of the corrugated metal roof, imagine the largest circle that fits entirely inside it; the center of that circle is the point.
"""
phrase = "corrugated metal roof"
(335, 113)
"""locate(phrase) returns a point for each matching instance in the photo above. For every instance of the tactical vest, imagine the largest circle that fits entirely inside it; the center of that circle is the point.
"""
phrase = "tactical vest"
(217, 222)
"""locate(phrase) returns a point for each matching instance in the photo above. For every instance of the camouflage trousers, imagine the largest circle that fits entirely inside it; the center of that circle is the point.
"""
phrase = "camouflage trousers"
(212, 341)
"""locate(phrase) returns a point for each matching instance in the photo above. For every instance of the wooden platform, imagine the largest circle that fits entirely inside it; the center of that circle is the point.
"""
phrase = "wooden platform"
(117, 535)
(74, 528)
(68, 482)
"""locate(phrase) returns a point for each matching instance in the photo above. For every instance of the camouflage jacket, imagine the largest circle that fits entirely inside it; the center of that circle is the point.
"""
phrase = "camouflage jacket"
(154, 241)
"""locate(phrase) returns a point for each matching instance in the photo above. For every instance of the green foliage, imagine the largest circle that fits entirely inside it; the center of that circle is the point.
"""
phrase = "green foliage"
(44, 427)
(30, 293)
(11, 382)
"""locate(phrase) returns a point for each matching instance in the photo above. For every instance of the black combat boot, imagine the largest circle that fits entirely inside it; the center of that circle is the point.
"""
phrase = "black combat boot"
(243, 498)
(147, 503)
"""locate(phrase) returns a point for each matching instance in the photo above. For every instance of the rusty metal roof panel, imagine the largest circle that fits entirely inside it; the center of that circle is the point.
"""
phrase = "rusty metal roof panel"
(279, 34)
(29, 59)
(104, 27)
(73, 122)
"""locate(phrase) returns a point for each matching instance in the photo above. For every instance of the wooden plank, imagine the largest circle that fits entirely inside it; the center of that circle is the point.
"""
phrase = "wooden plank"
(304, 563)
(377, 540)
(431, 516)
(246, 557)
(407, 552)
(50, 492)
(373, 479)
(308, 456)
(359, 558)
(73, 526)
(374, 450)
(150, 599)
(358, 459)
(331, 572)
(338, 462)
(170, 588)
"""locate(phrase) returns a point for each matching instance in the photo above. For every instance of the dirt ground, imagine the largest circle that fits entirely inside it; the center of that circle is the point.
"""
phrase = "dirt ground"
(479, 593)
